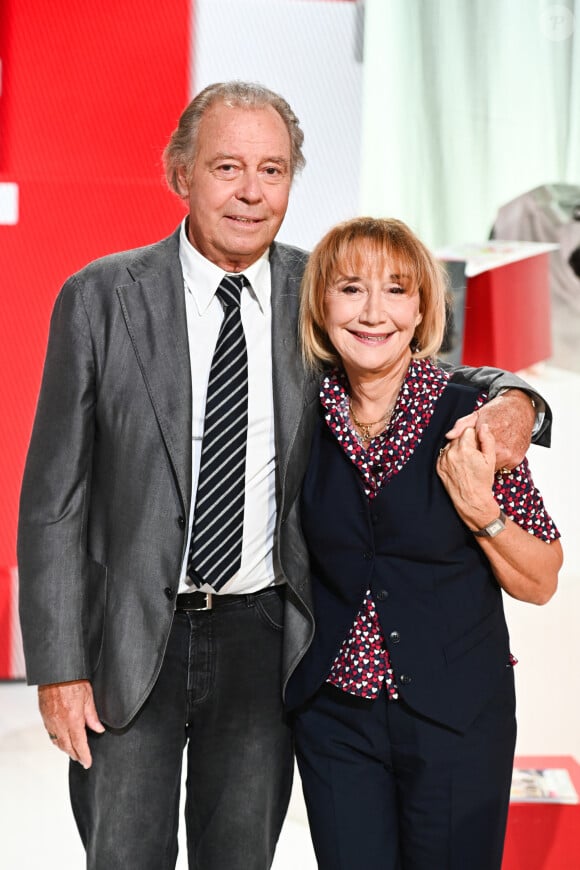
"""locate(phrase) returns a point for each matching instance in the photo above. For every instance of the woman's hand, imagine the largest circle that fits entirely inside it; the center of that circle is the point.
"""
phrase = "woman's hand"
(466, 467)
(526, 567)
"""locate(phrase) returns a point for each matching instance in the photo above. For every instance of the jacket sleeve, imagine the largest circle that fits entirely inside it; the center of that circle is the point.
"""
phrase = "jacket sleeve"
(494, 381)
(52, 553)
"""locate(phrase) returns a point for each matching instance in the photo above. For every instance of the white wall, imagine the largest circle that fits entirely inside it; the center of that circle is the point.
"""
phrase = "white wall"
(309, 52)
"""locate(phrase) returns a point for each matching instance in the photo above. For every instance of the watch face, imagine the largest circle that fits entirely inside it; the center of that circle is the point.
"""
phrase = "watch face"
(495, 527)
(492, 529)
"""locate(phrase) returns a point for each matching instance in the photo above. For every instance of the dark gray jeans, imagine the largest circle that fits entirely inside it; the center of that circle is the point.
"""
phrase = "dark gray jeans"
(219, 697)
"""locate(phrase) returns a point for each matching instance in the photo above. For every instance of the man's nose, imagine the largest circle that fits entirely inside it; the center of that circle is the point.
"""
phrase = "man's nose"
(249, 188)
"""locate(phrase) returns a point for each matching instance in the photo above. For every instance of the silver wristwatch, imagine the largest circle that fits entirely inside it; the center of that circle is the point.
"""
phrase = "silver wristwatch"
(492, 529)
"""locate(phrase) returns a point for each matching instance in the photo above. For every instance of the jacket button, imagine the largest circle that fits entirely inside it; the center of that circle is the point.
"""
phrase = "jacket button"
(394, 637)
(382, 595)
(367, 557)
(169, 593)
(405, 679)
(181, 522)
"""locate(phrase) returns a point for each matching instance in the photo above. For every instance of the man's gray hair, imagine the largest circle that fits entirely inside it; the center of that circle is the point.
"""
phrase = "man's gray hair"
(182, 146)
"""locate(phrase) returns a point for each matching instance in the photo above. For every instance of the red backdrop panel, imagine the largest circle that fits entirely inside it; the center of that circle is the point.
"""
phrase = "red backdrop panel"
(90, 94)
(499, 303)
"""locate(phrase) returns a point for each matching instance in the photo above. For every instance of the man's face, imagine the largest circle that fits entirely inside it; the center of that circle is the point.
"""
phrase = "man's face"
(239, 184)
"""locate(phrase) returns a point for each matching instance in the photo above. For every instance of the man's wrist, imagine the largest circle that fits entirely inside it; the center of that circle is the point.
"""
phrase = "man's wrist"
(536, 402)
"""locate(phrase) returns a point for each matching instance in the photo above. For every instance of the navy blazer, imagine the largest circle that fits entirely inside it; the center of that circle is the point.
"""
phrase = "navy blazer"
(439, 604)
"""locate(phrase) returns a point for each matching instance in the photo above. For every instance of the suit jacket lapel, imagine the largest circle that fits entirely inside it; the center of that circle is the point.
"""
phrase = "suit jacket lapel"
(154, 310)
(294, 389)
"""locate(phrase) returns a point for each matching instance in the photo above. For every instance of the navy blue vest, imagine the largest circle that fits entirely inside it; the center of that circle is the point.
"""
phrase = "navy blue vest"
(439, 604)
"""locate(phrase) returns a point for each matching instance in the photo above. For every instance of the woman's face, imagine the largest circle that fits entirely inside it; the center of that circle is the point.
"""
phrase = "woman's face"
(371, 312)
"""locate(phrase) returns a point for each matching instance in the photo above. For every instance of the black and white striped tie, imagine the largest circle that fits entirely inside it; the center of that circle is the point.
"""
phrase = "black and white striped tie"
(215, 551)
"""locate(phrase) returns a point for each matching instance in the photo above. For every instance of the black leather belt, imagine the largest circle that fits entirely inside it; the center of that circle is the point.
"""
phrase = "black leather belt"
(188, 601)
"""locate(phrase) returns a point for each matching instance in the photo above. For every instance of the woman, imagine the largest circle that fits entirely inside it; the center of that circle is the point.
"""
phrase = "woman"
(404, 704)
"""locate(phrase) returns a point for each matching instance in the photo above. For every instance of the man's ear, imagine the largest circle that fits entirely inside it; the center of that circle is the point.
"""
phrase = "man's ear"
(182, 181)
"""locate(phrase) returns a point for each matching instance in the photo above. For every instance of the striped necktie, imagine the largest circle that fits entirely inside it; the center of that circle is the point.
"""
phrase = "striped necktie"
(215, 551)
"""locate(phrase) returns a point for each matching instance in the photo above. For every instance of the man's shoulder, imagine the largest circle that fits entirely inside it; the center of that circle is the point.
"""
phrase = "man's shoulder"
(123, 266)
(289, 257)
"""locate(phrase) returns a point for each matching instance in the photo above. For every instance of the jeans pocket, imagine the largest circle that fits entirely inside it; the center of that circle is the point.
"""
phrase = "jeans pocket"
(270, 609)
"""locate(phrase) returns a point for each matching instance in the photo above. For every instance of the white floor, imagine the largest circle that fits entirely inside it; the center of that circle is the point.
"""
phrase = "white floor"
(36, 826)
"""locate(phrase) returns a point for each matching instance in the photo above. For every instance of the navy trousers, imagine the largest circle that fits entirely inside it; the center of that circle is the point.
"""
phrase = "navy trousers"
(387, 789)
(217, 702)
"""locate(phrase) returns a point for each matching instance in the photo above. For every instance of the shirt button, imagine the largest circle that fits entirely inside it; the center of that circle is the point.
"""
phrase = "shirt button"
(394, 637)
(169, 593)
(405, 679)
(181, 522)
(382, 595)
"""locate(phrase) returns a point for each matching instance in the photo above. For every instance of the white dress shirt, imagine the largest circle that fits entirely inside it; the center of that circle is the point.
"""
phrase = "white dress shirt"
(204, 317)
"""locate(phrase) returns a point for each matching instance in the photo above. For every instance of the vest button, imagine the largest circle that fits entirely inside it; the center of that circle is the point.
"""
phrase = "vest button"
(405, 679)
(382, 595)
(375, 518)
(181, 522)
(394, 637)
(169, 593)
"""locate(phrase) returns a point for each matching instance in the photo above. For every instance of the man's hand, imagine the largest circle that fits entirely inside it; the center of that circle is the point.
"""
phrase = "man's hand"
(67, 709)
(510, 418)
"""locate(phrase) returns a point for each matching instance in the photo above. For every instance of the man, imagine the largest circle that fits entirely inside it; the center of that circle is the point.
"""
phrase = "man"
(139, 647)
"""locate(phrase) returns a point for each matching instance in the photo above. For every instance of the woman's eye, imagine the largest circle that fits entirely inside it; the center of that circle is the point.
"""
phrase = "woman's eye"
(350, 289)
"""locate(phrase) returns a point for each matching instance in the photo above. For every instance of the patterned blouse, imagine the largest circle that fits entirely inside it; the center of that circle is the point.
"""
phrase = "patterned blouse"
(362, 665)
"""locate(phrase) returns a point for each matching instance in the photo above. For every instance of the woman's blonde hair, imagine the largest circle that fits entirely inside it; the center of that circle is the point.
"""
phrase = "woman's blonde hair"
(354, 244)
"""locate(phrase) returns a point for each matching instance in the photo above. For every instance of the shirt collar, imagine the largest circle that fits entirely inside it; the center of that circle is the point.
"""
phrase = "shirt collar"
(202, 277)
(421, 375)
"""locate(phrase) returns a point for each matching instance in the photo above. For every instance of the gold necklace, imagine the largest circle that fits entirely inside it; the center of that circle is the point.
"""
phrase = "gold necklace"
(364, 429)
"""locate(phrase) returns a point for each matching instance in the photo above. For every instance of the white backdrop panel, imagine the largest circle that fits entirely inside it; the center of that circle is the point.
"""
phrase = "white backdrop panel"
(310, 52)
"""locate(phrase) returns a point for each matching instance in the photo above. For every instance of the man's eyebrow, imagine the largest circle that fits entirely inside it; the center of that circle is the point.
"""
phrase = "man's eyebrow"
(223, 155)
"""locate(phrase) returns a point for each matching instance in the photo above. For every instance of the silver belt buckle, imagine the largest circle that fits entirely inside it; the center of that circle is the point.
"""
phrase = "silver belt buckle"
(208, 601)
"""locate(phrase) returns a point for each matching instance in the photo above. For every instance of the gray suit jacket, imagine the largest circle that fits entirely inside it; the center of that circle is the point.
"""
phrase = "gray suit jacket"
(107, 486)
